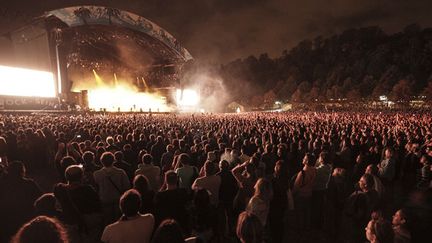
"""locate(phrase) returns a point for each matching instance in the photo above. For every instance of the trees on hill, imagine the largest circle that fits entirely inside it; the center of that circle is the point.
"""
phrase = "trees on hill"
(356, 64)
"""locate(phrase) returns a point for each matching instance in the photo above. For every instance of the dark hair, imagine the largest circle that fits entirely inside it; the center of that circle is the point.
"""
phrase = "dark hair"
(184, 159)
(210, 168)
(141, 183)
(130, 202)
(171, 177)
(107, 159)
(67, 161)
(118, 155)
(280, 169)
(41, 229)
(88, 157)
(45, 204)
(224, 165)
(74, 173)
(382, 230)
(310, 159)
(168, 231)
(249, 228)
(325, 157)
(147, 159)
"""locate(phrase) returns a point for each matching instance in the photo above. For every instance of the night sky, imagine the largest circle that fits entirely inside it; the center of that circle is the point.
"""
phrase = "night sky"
(222, 30)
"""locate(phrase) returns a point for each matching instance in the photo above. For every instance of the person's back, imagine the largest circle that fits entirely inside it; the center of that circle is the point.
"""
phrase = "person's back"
(111, 182)
(151, 172)
(210, 182)
(131, 227)
(167, 158)
(171, 203)
(157, 150)
(228, 186)
(187, 174)
(17, 195)
(305, 181)
(76, 199)
(134, 229)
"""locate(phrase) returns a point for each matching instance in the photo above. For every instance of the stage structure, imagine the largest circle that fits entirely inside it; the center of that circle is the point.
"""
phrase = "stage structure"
(99, 58)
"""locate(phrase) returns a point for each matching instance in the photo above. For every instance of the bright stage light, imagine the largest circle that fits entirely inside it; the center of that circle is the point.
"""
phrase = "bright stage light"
(124, 98)
(187, 97)
(26, 82)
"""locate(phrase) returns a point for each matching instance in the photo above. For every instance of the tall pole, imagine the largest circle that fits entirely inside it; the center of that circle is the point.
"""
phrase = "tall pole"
(59, 78)
(58, 39)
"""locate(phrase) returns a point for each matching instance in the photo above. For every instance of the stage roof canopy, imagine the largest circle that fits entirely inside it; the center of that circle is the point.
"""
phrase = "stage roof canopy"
(98, 31)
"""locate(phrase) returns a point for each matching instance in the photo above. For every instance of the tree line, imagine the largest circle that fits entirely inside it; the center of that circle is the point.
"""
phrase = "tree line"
(356, 65)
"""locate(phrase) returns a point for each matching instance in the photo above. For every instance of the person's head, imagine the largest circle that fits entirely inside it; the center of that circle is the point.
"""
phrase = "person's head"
(234, 154)
(425, 160)
(263, 189)
(323, 158)
(223, 165)
(249, 228)
(110, 140)
(170, 148)
(16, 169)
(211, 156)
(184, 159)
(41, 229)
(147, 159)
(74, 174)
(141, 184)
(130, 203)
(388, 153)
(309, 159)
(107, 159)
(210, 168)
(280, 169)
(168, 231)
(118, 156)
(171, 178)
(127, 147)
(88, 157)
(366, 182)
(400, 218)
(371, 169)
(45, 204)
(379, 231)
(67, 161)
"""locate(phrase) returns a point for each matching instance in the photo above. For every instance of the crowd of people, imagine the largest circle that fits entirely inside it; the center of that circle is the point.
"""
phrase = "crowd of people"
(251, 178)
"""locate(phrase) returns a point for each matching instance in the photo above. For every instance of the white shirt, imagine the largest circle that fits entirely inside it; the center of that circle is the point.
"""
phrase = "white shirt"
(152, 173)
(137, 229)
(210, 183)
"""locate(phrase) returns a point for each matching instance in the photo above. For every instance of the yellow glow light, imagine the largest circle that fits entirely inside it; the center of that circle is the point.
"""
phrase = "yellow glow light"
(187, 97)
(123, 98)
(26, 82)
